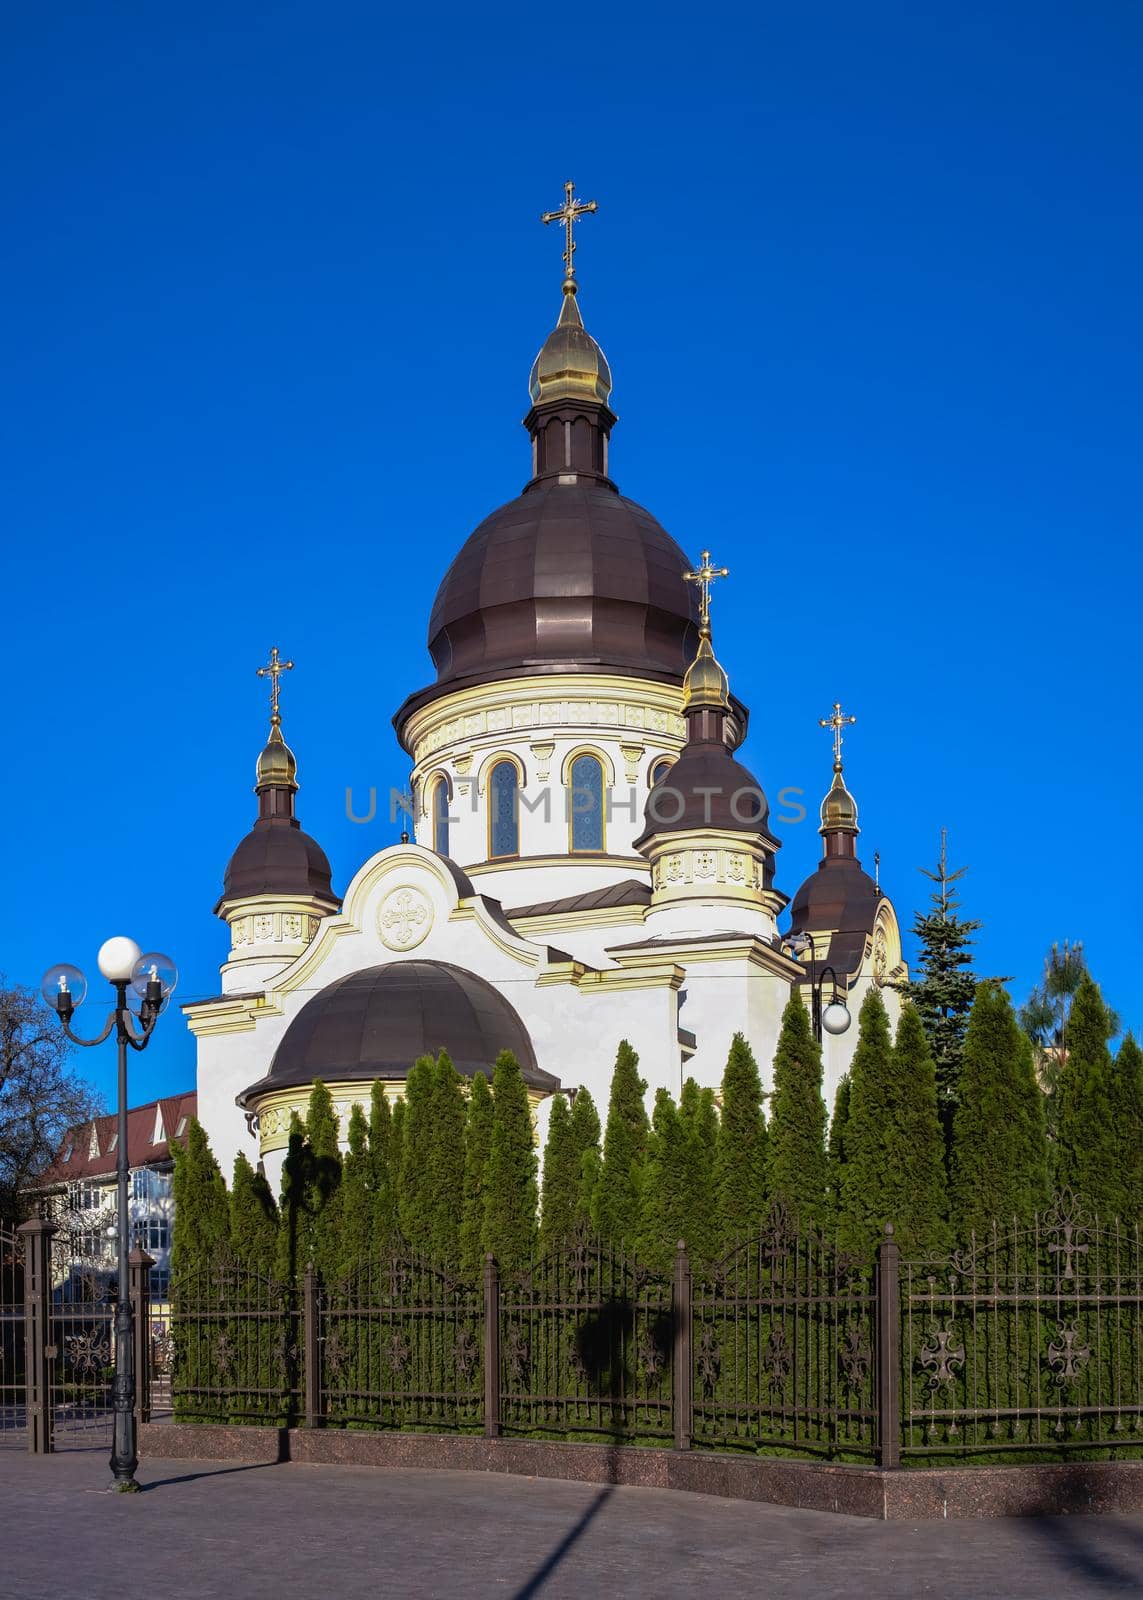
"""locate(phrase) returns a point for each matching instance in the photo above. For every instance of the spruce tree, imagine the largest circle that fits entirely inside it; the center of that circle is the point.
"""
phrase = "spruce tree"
(698, 1118)
(1127, 1098)
(447, 1162)
(943, 986)
(585, 1131)
(663, 1209)
(740, 1161)
(253, 1219)
(414, 1205)
(382, 1140)
(356, 1211)
(1087, 1139)
(561, 1178)
(477, 1145)
(616, 1203)
(202, 1211)
(894, 1170)
(510, 1206)
(798, 1168)
(999, 1160)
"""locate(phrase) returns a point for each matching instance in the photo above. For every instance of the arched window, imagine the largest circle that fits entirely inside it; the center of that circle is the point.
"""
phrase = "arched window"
(585, 803)
(440, 799)
(660, 768)
(504, 810)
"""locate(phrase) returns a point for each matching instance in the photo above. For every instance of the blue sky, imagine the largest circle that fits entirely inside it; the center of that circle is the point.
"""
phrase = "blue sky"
(868, 279)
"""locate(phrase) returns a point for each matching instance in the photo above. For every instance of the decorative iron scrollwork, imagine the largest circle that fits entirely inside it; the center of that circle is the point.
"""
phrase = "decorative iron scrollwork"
(1066, 1224)
(709, 1358)
(87, 1353)
(777, 1358)
(855, 1357)
(466, 1353)
(336, 1354)
(649, 1356)
(1067, 1357)
(224, 1355)
(517, 1353)
(941, 1359)
(398, 1351)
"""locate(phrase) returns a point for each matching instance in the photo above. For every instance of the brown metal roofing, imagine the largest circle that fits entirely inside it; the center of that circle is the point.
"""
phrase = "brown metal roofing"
(175, 1111)
(630, 892)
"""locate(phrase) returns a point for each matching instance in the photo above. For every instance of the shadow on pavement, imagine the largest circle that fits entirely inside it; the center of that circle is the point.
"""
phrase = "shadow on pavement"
(213, 1472)
(1071, 1539)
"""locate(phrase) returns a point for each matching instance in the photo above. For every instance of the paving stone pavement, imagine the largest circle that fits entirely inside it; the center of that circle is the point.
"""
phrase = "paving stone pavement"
(208, 1529)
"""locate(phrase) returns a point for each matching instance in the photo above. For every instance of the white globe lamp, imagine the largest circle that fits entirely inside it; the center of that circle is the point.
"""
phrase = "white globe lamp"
(117, 958)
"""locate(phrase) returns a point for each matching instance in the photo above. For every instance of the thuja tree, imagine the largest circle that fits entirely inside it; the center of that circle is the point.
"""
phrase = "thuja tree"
(253, 1219)
(615, 1204)
(664, 1212)
(383, 1140)
(560, 1189)
(740, 1160)
(477, 1147)
(446, 1153)
(836, 1147)
(414, 1202)
(698, 1118)
(510, 1203)
(585, 1131)
(320, 1228)
(894, 1167)
(798, 1168)
(999, 1165)
(943, 985)
(199, 1281)
(355, 1219)
(1128, 1114)
(1088, 1130)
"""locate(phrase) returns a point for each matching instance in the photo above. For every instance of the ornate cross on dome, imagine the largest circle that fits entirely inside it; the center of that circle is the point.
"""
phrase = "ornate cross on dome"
(569, 214)
(704, 575)
(273, 670)
(837, 720)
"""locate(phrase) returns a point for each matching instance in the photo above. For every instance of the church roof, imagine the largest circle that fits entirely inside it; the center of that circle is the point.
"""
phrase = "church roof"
(375, 1023)
(630, 892)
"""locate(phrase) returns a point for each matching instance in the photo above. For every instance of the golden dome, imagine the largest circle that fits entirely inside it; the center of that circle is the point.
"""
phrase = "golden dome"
(705, 683)
(570, 365)
(277, 767)
(839, 808)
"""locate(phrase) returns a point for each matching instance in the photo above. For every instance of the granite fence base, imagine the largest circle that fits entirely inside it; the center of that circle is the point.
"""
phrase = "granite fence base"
(902, 1494)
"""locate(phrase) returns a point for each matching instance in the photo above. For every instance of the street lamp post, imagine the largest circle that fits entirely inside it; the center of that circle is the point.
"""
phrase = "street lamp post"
(149, 979)
(835, 1017)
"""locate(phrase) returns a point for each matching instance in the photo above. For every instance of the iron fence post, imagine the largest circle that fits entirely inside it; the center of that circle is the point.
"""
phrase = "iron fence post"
(682, 1385)
(38, 1352)
(139, 1265)
(312, 1354)
(888, 1351)
(491, 1347)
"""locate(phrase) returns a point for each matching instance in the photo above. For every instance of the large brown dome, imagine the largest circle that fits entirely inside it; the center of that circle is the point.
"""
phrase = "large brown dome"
(569, 577)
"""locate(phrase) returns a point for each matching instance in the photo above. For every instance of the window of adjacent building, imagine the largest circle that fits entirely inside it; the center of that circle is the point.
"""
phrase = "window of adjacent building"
(440, 799)
(87, 1196)
(504, 810)
(155, 1234)
(148, 1185)
(585, 803)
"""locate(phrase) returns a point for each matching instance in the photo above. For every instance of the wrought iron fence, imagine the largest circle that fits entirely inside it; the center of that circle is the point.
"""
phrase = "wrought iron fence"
(398, 1343)
(234, 1346)
(13, 1378)
(784, 1332)
(586, 1342)
(81, 1354)
(1029, 1336)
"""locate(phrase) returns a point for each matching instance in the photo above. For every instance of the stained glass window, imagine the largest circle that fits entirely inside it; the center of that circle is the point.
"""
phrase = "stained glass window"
(585, 801)
(441, 802)
(503, 810)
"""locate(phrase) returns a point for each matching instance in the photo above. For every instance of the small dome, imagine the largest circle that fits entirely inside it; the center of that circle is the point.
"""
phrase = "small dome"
(839, 808)
(570, 365)
(277, 765)
(705, 683)
(837, 898)
(377, 1022)
(705, 788)
(276, 857)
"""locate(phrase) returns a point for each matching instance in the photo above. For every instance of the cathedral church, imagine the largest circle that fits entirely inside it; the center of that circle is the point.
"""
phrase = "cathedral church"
(591, 858)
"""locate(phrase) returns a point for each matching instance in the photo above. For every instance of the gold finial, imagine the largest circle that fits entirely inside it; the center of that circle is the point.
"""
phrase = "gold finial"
(569, 214)
(837, 720)
(273, 670)
(704, 575)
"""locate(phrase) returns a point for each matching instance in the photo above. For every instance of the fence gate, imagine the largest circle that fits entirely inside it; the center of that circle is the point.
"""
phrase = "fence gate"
(13, 1414)
(81, 1349)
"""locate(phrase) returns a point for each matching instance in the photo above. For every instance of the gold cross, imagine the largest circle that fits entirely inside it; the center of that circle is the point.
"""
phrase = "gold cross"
(837, 720)
(704, 575)
(273, 670)
(569, 214)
